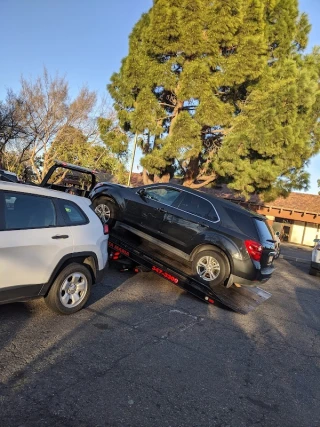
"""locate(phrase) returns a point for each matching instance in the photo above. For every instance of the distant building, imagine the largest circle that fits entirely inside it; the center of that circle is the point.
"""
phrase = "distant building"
(296, 217)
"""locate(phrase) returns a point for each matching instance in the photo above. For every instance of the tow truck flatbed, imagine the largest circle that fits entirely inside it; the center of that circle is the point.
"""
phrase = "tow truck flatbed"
(240, 299)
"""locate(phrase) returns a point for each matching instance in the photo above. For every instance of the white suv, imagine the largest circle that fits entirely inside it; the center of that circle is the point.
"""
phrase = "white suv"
(52, 244)
(315, 259)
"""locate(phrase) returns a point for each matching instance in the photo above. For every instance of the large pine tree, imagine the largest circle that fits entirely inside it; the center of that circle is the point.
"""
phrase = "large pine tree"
(221, 90)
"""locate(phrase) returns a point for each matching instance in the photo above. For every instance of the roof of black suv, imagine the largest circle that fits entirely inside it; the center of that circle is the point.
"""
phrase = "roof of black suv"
(209, 197)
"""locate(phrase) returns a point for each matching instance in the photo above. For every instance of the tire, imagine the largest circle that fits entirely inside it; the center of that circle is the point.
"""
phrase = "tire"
(105, 208)
(65, 295)
(220, 267)
(312, 271)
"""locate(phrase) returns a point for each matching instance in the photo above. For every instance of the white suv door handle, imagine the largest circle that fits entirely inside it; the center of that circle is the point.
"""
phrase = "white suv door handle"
(60, 236)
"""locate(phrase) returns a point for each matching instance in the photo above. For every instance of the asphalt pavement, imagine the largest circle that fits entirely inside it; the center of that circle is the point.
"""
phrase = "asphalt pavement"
(144, 353)
(293, 252)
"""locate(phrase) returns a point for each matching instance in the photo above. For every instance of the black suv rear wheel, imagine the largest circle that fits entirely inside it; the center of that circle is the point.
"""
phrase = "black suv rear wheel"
(211, 267)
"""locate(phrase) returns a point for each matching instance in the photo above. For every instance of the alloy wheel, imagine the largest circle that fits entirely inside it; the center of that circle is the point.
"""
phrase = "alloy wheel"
(103, 213)
(208, 268)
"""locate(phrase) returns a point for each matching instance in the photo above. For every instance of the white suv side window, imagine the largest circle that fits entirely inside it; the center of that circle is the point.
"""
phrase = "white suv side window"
(27, 211)
(72, 214)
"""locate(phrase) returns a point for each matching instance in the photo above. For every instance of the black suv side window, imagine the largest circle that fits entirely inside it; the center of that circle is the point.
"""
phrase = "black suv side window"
(72, 214)
(198, 206)
(26, 211)
(165, 195)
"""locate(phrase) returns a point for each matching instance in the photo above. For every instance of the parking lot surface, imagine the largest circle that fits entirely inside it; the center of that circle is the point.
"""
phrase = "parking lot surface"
(291, 251)
(144, 353)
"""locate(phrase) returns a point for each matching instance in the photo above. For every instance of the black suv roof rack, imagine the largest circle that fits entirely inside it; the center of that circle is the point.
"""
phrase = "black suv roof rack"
(242, 300)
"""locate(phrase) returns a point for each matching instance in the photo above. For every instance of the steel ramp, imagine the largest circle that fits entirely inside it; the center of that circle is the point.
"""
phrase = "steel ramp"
(242, 300)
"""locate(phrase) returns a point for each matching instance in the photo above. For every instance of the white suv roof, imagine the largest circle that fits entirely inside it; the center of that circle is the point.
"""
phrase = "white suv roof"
(33, 189)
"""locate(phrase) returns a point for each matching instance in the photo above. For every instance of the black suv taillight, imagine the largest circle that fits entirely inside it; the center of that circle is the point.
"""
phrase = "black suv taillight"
(254, 249)
(105, 228)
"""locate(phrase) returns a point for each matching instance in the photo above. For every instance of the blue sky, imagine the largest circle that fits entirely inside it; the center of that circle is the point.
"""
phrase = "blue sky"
(84, 40)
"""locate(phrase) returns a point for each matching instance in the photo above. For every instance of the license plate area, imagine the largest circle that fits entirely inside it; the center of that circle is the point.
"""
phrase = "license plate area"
(271, 257)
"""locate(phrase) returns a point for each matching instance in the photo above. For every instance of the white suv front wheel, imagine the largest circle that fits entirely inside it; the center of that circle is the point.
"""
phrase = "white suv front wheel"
(71, 289)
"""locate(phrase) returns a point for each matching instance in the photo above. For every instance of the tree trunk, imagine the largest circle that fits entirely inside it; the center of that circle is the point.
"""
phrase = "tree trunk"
(205, 180)
(191, 172)
(175, 113)
(147, 179)
(45, 166)
(34, 167)
(165, 178)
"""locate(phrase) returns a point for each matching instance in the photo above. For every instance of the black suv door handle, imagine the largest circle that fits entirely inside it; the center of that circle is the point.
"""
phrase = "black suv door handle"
(161, 210)
(60, 236)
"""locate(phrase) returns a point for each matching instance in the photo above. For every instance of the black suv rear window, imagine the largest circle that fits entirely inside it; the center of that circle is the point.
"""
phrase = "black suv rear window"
(264, 230)
(243, 222)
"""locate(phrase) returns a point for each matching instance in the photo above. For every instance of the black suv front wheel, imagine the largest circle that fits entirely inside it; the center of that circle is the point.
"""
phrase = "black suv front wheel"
(105, 208)
(211, 268)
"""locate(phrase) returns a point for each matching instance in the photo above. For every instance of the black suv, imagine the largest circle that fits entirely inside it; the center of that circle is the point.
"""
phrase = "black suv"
(224, 242)
(8, 176)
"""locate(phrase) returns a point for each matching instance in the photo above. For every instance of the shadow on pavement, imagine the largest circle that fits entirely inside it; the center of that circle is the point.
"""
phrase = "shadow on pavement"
(150, 355)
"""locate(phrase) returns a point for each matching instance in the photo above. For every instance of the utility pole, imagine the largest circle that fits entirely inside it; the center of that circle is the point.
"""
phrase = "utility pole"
(133, 155)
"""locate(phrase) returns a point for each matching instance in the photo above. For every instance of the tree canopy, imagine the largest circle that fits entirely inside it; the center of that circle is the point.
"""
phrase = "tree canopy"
(42, 123)
(222, 91)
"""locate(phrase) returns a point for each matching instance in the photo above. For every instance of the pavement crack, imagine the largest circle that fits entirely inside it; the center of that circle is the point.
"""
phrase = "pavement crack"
(159, 392)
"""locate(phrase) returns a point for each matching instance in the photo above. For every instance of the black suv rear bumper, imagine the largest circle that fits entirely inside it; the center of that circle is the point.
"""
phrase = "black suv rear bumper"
(262, 276)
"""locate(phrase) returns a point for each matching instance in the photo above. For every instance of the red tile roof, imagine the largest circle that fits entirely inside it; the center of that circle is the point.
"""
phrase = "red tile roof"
(298, 201)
